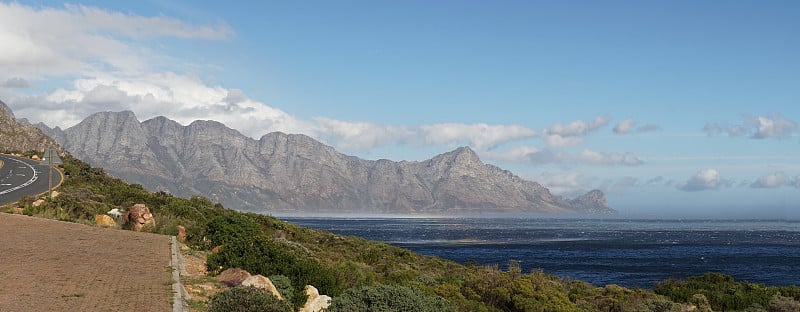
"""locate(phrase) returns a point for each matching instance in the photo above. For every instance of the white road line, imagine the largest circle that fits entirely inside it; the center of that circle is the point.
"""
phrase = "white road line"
(29, 182)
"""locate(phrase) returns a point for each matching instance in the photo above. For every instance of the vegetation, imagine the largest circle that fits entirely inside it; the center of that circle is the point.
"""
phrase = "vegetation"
(359, 273)
(723, 293)
(388, 298)
(247, 299)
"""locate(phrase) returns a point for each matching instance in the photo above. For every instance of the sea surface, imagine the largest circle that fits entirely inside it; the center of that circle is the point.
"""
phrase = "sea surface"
(631, 253)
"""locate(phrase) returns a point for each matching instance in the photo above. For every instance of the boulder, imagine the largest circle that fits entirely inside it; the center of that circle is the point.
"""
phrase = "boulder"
(259, 281)
(35, 157)
(104, 221)
(141, 218)
(38, 202)
(181, 234)
(315, 301)
(55, 194)
(233, 277)
(216, 249)
(18, 210)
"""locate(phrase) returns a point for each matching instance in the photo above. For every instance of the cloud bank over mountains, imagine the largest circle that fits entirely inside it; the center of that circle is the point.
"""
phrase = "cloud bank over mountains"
(120, 72)
(61, 64)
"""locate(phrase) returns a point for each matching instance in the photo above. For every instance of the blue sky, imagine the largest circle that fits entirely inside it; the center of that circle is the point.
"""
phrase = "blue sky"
(673, 107)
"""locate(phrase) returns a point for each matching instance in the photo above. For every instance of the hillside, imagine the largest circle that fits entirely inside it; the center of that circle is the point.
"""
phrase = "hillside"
(337, 264)
(18, 137)
(295, 173)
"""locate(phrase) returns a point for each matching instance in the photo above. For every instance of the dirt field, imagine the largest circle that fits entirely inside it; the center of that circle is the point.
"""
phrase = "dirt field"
(48, 265)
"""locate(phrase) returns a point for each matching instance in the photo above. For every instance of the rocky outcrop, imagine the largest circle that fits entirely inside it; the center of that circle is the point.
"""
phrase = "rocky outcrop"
(315, 301)
(233, 277)
(15, 136)
(261, 282)
(295, 173)
(140, 217)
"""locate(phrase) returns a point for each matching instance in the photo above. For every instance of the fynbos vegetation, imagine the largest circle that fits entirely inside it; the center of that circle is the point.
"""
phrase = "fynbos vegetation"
(365, 275)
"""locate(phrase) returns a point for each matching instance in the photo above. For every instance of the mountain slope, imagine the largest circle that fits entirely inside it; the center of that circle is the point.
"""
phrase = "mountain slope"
(295, 173)
(15, 136)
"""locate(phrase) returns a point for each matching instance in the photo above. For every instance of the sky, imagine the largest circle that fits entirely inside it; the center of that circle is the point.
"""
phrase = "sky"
(685, 108)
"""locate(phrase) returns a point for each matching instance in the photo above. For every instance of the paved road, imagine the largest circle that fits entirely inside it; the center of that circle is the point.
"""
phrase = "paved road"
(22, 176)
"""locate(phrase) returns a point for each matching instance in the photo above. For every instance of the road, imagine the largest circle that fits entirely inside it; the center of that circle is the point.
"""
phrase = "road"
(22, 176)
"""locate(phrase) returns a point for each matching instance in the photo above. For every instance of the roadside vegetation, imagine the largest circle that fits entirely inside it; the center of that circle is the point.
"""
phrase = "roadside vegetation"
(364, 275)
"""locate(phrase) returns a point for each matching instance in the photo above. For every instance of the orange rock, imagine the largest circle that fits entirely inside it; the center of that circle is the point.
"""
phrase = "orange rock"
(141, 218)
(181, 234)
(38, 202)
(104, 220)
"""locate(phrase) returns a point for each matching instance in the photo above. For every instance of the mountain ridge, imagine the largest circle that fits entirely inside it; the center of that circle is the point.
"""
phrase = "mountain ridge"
(21, 136)
(294, 173)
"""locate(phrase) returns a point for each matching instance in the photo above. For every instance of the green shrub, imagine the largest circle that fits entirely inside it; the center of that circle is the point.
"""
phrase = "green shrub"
(247, 299)
(388, 298)
(262, 255)
(229, 228)
(284, 286)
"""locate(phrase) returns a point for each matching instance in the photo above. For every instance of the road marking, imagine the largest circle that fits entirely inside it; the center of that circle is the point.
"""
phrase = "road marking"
(29, 182)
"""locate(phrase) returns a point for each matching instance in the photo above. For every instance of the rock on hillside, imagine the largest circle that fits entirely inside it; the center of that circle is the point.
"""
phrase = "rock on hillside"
(15, 136)
(295, 173)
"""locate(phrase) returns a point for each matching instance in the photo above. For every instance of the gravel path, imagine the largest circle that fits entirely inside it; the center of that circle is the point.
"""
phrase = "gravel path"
(48, 265)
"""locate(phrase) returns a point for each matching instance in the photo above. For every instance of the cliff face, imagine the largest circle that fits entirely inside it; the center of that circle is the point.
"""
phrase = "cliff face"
(14, 136)
(295, 173)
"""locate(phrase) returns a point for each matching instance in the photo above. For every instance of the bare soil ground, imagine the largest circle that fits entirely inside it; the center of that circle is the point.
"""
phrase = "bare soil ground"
(48, 265)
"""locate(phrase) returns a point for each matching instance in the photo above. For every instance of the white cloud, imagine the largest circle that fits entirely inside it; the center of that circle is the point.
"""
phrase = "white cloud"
(555, 140)
(40, 42)
(706, 179)
(361, 135)
(578, 127)
(533, 155)
(15, 82)
(623, 127)
(480, 136)
(756, 127)
(773, 127)
(598, 158)
(772, 180)
(565, 184)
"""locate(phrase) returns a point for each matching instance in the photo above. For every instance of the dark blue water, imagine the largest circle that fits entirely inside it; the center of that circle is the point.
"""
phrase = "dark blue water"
(631, 253)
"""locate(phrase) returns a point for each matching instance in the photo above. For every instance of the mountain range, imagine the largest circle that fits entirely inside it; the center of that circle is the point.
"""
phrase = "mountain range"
(293, 173)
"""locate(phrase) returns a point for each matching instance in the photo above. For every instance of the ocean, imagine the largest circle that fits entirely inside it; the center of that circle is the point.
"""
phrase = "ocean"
(626, 252)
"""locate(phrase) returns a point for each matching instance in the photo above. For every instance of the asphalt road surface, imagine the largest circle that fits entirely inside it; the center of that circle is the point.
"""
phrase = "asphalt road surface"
(22, 176)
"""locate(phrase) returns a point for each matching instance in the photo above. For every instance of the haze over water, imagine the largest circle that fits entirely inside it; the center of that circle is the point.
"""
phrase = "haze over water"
(627, 252)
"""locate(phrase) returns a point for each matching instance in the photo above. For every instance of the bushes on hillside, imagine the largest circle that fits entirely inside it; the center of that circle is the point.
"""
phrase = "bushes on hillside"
(388, 298)
(247, 299)
(261, 255)
(722, 292)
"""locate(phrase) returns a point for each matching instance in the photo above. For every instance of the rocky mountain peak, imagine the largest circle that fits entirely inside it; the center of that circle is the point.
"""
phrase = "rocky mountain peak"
(592, 202)
(6, 110)
(18, 137)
